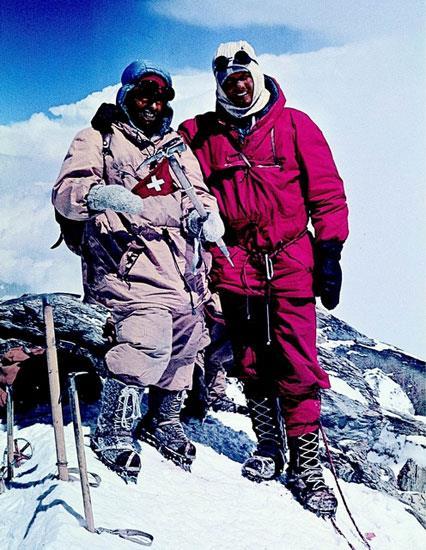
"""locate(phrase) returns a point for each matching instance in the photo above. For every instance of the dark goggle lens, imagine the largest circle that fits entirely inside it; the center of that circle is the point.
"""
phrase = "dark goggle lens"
(242, 58)
(222, 62)
(152, 91)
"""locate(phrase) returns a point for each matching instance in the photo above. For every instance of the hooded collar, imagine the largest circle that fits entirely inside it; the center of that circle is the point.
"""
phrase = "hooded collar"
(245, 125)
(131, 75)
(230, 50)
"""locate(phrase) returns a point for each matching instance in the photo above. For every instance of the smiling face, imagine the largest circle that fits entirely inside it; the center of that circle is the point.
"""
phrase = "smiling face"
(239, 88)
(144, 111)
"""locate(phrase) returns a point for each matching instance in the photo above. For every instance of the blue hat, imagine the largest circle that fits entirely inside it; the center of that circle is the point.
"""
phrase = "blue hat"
(134, 72)
(130, 77)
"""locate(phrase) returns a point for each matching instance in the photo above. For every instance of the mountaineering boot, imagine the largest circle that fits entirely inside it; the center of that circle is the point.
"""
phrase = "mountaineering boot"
(113, 440)
(305, 478)
(267, 461)
(161, 427)
(223, 403)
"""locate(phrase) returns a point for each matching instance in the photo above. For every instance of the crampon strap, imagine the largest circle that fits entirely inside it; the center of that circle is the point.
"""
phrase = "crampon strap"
(94, 479)
(134, 535)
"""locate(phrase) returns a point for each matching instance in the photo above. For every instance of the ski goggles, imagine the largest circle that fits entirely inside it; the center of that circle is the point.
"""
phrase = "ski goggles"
(222, 62)
(152, 91)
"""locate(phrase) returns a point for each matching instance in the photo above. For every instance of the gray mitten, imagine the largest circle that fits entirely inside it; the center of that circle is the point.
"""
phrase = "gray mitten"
(115, 197)
(211, 229)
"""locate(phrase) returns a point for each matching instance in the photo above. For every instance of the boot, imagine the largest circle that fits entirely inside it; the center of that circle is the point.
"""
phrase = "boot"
(113, 440)
(305, 477)
(216, 381)
(267, 461)
(223, 403)
(161, 427)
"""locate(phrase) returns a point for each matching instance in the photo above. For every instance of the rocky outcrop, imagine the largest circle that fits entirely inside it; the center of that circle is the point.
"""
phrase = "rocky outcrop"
(367, 354)
(79, 342)
(368, 432)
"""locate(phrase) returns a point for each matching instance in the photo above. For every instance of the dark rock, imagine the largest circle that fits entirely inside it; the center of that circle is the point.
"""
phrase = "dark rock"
(412, 477)
(79, 342)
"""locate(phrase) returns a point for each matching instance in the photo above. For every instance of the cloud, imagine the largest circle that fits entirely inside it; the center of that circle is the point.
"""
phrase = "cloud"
(367, 97)
(31, 153)
(343, 19)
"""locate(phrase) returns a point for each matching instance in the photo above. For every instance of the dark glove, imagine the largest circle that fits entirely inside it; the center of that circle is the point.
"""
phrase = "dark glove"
(328, 273)
(107, 114)
(109, 333)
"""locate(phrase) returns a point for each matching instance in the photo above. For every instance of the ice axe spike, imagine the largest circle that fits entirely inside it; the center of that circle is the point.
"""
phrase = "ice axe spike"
(133, 535)
(79, 445)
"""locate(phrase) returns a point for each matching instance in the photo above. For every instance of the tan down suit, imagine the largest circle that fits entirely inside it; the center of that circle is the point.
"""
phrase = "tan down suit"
(140, 266)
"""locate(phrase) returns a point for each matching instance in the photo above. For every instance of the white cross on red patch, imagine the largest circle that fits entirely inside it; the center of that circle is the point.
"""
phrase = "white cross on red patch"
(155, 183)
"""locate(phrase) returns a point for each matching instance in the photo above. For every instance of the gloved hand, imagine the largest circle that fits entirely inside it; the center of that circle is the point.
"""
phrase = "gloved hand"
(107, 114)
(328, 273)
(115, 197)
(211, 229)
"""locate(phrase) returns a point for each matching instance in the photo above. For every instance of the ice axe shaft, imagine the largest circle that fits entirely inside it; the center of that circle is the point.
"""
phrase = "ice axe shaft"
(190, 191)
(81, 456)
(134, 535)
(10, 442)
(54, 387)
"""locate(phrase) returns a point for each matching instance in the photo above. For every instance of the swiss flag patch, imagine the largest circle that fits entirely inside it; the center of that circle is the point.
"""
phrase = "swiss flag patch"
(157, 182)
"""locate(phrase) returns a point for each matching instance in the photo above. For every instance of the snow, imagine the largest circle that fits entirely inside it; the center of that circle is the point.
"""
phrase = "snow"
(389, 394)
(333, 344)
(342, 387)
(212, 508)
(380, 346)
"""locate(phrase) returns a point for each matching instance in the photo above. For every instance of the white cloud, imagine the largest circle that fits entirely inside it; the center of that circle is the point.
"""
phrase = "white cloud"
(343, 19)
(31, 153)
(369, 100)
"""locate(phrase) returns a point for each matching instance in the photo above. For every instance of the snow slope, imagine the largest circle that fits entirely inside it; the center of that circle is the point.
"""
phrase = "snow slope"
(212, 508)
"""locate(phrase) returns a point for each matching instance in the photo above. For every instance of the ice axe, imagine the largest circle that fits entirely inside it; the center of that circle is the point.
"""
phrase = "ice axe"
(17, 451)
(170, 151)
(134, 535)
(54, 387)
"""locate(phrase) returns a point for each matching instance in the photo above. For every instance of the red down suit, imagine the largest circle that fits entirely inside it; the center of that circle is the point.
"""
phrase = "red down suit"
(269, 185)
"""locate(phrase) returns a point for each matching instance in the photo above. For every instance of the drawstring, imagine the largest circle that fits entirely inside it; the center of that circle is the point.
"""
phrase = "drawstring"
(274, 150)
(266, 259)
(248, 312)
(269, 268)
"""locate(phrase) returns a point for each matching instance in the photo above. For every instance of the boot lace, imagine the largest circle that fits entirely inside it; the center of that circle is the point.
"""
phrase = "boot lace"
(265, 422)
(128, 409)
(169, 421)
(309, 464)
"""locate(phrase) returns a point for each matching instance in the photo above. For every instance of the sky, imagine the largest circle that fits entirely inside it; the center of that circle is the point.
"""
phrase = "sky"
(356, 68)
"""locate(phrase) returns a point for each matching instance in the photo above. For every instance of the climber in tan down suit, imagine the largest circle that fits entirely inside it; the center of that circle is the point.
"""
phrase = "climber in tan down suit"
(142, 260)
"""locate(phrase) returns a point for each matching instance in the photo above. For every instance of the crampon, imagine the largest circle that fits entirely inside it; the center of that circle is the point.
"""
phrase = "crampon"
(260, 468)
(124, 462)
(313, 495)
(182, 457)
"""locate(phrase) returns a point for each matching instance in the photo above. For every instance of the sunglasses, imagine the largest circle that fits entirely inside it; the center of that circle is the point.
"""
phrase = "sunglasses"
(222, 62)
(148, 89)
